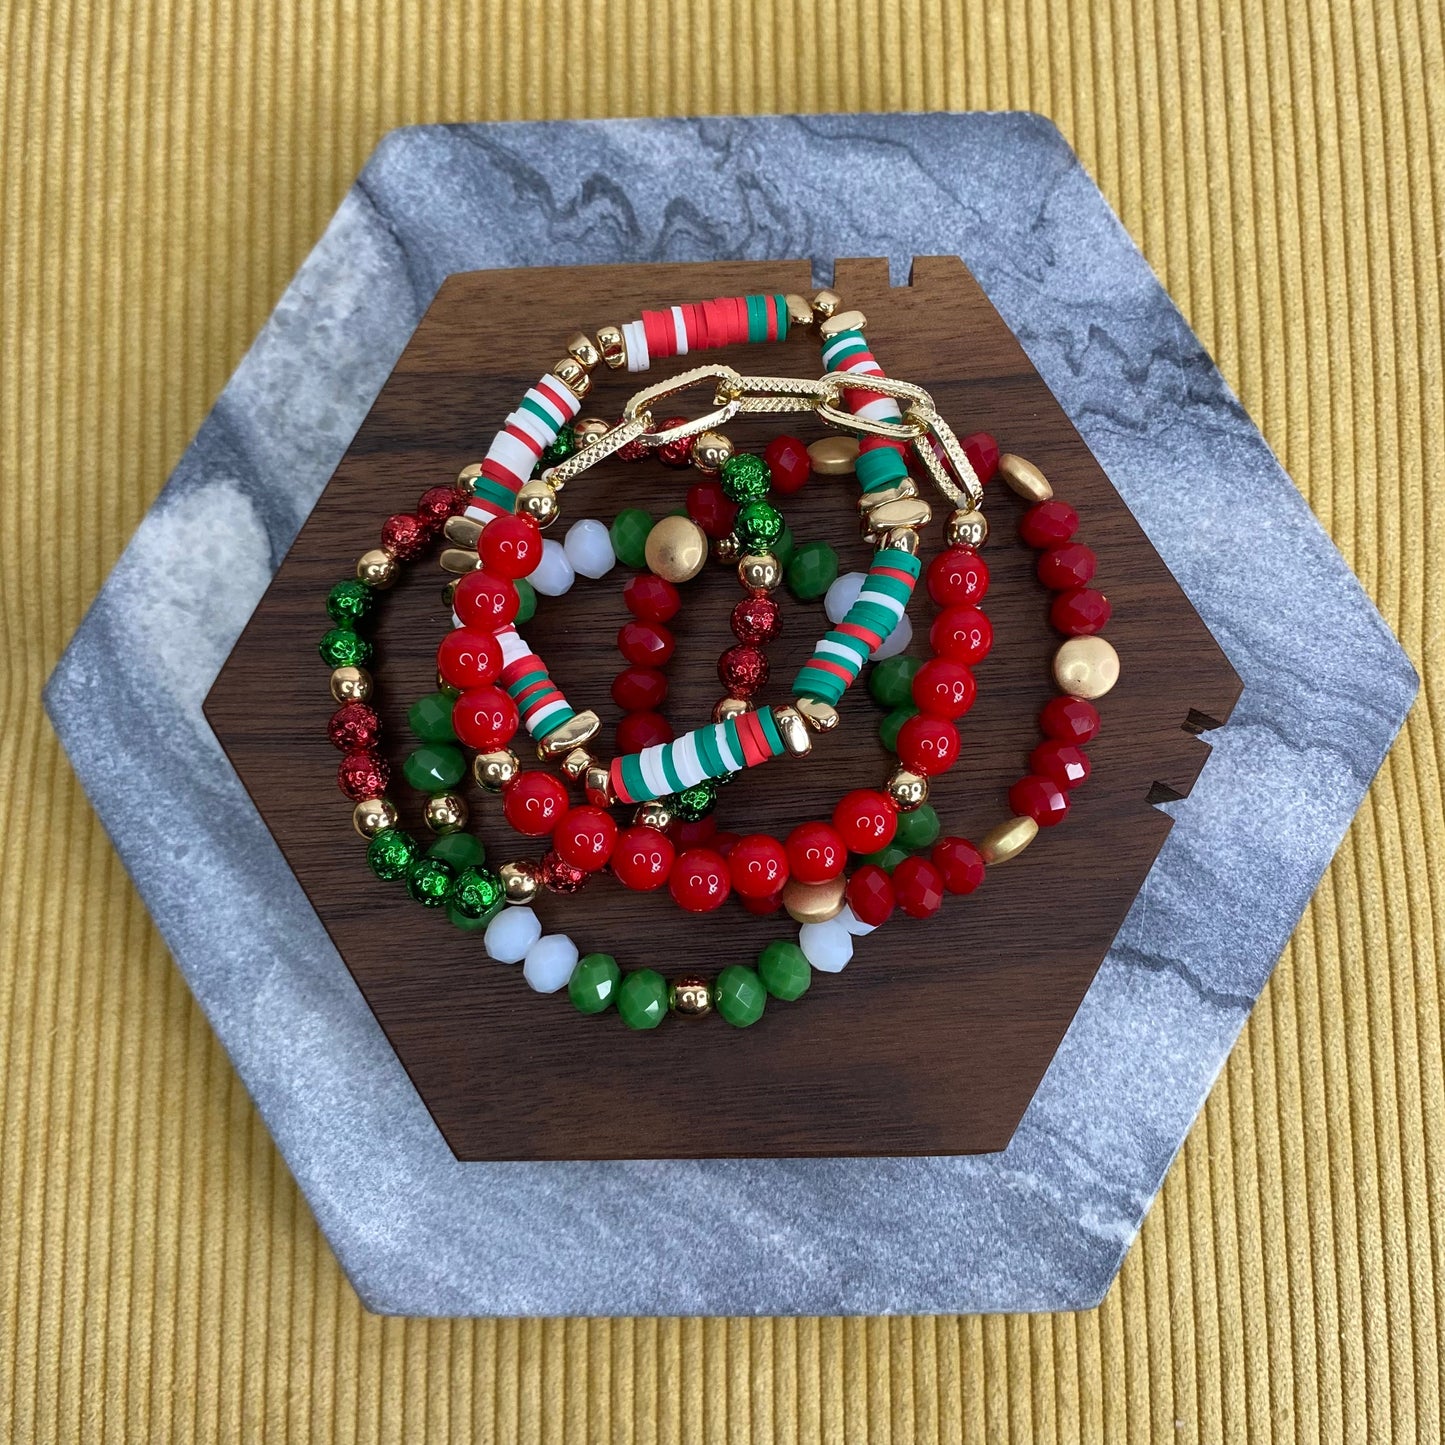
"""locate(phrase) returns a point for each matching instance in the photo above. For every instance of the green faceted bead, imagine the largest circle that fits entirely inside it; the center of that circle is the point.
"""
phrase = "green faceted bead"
(435, 767)
(694, 803)
(746, 478)
(477, 893)
(758, 526)
(560, 449)
(390, 854)
(891, 681)
(594, 984)
(784, 548)
(461, 850)
(526, 600)
(813, 570)
(642, 999)
(918, 829)
(739, 995)
(341, 647)
(468, 925)
(888, 728)
(886, 858)
(430, 718)
(784, 970)
(348, 602)
(429, 881)
(629, 536)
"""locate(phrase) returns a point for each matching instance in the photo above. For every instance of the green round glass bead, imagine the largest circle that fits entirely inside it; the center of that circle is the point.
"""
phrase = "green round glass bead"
(888, 728)
(390, 854)
(562, 448)
(784, 548)
(594, 984)
(429, 881)
(886, 858)
(891, 681)
(348, 602)
(341, 647)
(784, 970)
(476, 893)
(642, 999)
(467, 925)
(434, 767)
(430, 718)
(918, 829)
(629, 531)
(695, 803)
(461, 850)
(746, 478)
(739, 995)
(526, 600)
(758, 526)
(813, 570)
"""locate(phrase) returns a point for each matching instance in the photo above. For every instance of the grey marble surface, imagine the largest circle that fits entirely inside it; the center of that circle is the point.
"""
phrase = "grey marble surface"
(1043, 1225)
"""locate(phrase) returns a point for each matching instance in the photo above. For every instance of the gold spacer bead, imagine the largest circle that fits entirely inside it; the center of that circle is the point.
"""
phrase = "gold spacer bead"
(462, 531)
(578, 763)
(350, 684)
(521, 881)
(446, 812)
(372, 816)
(691, 997)
(573, 375)
(841, 321)
(1086, 667)
(580, 728)
(449, 591)
(825, 303)
(676, 548)
(588, 429)
(376, 568)
(653, 815)
(966, 529)
(799, 312)
(467, 478)
(822, 717)
(797, 738)
(710, 449)
(597, 784)
(726, 707)
(904, 512)
(1024, 478)
(814, 902)
(460, 560)
(902, 539)
(583, 350)
(1008, 840)
(493, 771)
(908, 790)
(759, 571)
(539, 502)
(835, 456)
(612, 345)
(727, 549)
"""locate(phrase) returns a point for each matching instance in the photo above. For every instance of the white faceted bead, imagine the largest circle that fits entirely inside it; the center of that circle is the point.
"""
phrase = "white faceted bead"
(842, 595)
(588, 545)
(550, 962)
(827, 946)
(553, 575)
(510, 934)
(853, 923)
(902, 635)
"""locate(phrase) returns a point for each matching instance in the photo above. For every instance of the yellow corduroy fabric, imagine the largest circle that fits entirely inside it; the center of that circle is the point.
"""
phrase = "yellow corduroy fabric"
(164, 166)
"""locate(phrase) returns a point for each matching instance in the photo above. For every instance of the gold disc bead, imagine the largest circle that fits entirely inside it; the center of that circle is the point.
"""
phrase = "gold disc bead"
(814, 902)
(759, 571)
(350, 684)
(521, 881)
(493, 771)
(676, 548)
(797, 739)
(539, 502)
(1086, 667)
(462, 531)
(1008, 840)
(841, 321)
(460, 560)
(908, 790)
(653, 815)
(825, 303)
(822, 717)
(1024, 478)
(689, 996)
(588, 429)
(729, 707)
(611, 344)
(966, 529)
(583, 350)
(835, 456)
(446, 812)
(372, 816)
(376, 568)
(710, 449)
(573, 375)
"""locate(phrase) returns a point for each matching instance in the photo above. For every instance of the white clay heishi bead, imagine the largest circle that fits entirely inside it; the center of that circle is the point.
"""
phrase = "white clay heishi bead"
(897, 641)
(589, 548)
(842, 595)
(553, 575)
(549, 962)
(510, 934)
(827, 946)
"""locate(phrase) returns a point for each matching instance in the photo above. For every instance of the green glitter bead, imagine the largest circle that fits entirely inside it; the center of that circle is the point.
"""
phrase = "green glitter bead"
(918, 829)
(430, 718)
(739, 995)
(891, 681)
(746, 478)
(560, 449)
(888, 728)
(341, 647)
(812, 571)
(526, 600)
(461, 850)
(886, 858)
(348, 602)
(694, 803)
(435, 767)
(429, 880)
(629, 536)
(390, 854)
(477, 893)
(784, 548)
(642, 999)
(784, 970)
(758, 526)
(594, 984)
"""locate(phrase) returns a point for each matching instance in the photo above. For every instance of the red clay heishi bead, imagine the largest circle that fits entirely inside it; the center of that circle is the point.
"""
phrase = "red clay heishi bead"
(918, 886)
(758, 865)
(1062, 763)
(651, 598)
(699, 880)
(1039, 798)
(871, 895)
(944, 687)
(533, 803)
(405, 536)
(1080, 612)
(1069, 565)
(866, 820)
(963, 634)
(694, 833)
(486, 602)
(362, 774)
(585, 837)
(743, 669)
(982, 452)
(639, 689)
(928, 745)
(485, 718)
(468, 657)
(816, 853)
(710, 508)
(642, 858)
(435, 506)
(1069, 719)
(353, 726)
(957, 575)
(788, 461)
(510, 546)
(1047, 524)
(960, 863)
(640, 730)
(647, 643)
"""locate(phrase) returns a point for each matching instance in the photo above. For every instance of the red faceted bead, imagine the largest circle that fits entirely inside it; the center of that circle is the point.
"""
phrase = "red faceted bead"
(871, 895)
(436, 505)
(647, 643)
(1080, 612)
(957, 575)
(918, 885)
(585, 837)
(639, 689)
(816, 852)
(485, 602)
(982, 452)
(534, 803)
(756, 619)
(640, 730)
(699, 880)
(674, 454)
(1062, 763)
(1069, 565)
(944, 687)
(962, 634)
(1047, 524)
(789, 462)
(960, 864)
(758, 866)
(510, 546)
(362, 774)
(710, 508)
(743, 669)
(694, 833)
(1069, 719)
(928, 745)
(405, 536)
(651, 598)
(642, 858)
(560, 876)
(866, 820)
(354, 726)
(468, 657)
(764, 906)
(485, 718)
(1039, 798)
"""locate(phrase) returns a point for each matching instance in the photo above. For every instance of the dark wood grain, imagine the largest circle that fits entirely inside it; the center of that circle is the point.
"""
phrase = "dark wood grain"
(935, 1037)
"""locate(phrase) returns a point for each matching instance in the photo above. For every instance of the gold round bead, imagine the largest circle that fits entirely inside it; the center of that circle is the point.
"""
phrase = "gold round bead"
(691, 997)
(493, 771)
(727, 707)
(613, 347)
(727, 549)
(1024, 478)
(521, 881)
(376, 568)
(653, 815)
(1008, 840)
(446, 812)
(710, 449)
(825, 303)
(573, 375)
(588, 429)
(1086, 667)
(539, 502)
(966, 529)
(676, 548)
(350, 684)
(835, 456)
(467, 478)
(814, 902)
(822, 717)
(372, 816)
(908, 790)
(759, 571)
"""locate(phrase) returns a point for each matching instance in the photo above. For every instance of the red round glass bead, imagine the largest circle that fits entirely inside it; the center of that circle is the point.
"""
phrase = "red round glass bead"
(468, 657)
(405, 536)
(534, 803)
(866, 820)
(957, 575)
(694, 832)
(678, 453)
(871, 895)
(362, 774)
(816, 852)
(560, 876)
(944, 687)
(651, 598)
(642, 858)
(710, 508)
(1069, 719)
(723, 843)
(743, 669)
(1069, 565)
(959, 863)
(640, 730)
(758, 866)
(764, 906)
(436, 505)
(353, 726)
(928, 745)
(485, 718)
(1039, 798)
(510, 546)
(962, 634)
(918, 886)
(982, 452)
(639, 689)
(1047, 524)
(647, 643)
(585, 837)
(485, 602)
(699, 880)
(756, 619)
(1080, 612)
(1063, 763)
(788, 461)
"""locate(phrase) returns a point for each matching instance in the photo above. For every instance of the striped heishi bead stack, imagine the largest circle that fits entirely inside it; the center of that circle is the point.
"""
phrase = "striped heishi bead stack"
(715, 751)
(514, 451)
(703, 326)
(848, 351)
(529, 684)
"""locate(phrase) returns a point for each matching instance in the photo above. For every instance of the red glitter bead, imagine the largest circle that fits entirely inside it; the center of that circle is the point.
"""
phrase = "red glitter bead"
(982, 452)
(758, 865)
(485, 602)
(1039, 798)
(510, 546)
(957, 575)
(436, 505)
(743, 669)
(1047, 524)
(651, 598)
(789, 462)
(1080, 612)
(1062, 763)
(816, 852)
(354, 726)
(642, 858)
(694, 832)
(1069, 719)
(709, 507)
(678, 453)
(640, 730)
(1069, 565)
(960, 864)
(362, 775)
(866, 820)
(756, 619)
(699, 880)
(944, 687)
(639, 689)
(485, 718)
(560, 876)
(647, 643)
(405, 536)
(962, 634)
(534, 802)
(467, 657)
(928, 745)
(585, 837)
(634, 451)
(919, 887)
(871, 895)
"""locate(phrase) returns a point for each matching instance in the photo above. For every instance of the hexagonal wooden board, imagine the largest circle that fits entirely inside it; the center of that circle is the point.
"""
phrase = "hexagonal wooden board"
(935, 1037)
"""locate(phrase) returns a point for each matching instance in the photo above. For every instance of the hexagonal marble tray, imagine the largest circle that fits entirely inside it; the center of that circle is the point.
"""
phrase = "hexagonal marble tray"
(1045, 1223)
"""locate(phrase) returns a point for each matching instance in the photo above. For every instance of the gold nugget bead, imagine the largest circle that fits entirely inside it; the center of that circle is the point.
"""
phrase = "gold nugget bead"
(908, 790)
(1008, 840)
(446, 812)
(710, 449)
(577, 764)
(449, 591)
(835, 456)
(676, 548)
(613, 347)
(376, 568)
(689, 996)
(493, 771)
(841, 321)
(350, 684)
(521, 881)
(726, 707)
(583, 350)
(759, 571)
(902, 539)
(372, 816)
(467, 478)
(573, 375)
(539, 502)
(797, 739)
(653, 815)
(966, 529)
(727, 549)
(597, 784)
(1086, 667)
(588, 429)
(462, 531)
(580, 728)
(1024, 478)
(899, 490)
(825, 303)
(904, 512)
(814, 902)
(460, 560)
(799, 312)
(822, 717)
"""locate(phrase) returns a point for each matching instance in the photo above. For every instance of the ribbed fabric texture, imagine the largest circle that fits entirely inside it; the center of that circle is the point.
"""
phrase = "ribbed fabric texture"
(164, 167)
